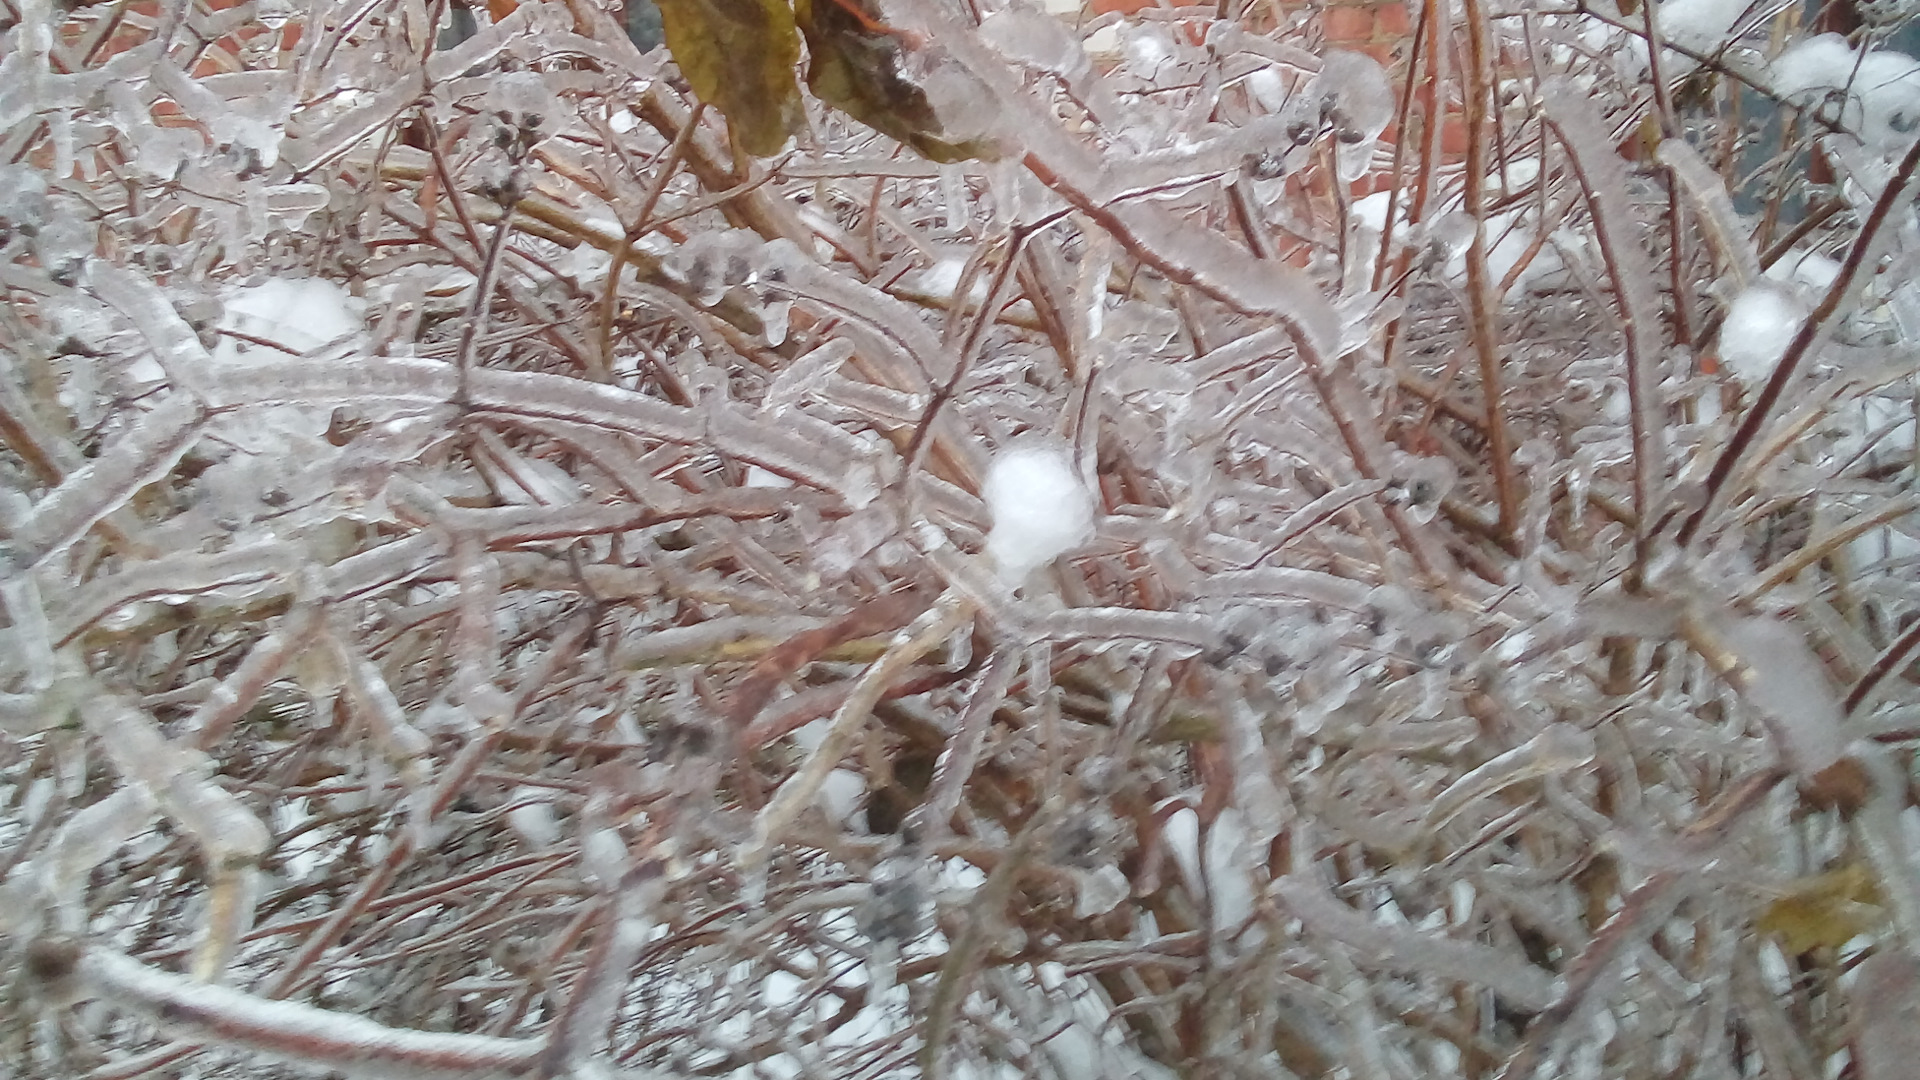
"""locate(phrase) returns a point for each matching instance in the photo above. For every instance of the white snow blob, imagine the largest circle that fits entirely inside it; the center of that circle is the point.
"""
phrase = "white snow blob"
(1881, 87)
(1761, 323)
(299, 315)
(1040, 508)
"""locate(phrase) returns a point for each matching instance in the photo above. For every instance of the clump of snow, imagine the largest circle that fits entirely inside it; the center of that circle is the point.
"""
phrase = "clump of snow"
(1882, 87)
(1699, 25)
(1040, 508)
(1823, 62)
(942, 281)
(298, 314)
(1760, 323)
(1804, 267)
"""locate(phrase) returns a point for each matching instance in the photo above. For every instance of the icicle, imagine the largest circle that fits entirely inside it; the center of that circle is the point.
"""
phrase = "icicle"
(802, 378)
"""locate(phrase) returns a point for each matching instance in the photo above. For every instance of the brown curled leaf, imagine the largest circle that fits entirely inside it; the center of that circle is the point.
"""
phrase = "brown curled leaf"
(739, 57)
(854, 65)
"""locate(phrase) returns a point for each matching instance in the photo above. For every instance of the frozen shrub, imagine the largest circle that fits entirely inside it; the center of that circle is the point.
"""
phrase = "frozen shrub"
(997, 544)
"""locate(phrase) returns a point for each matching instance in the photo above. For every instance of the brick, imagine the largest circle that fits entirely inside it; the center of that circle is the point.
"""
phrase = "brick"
(1390, 20)
(1347, 25)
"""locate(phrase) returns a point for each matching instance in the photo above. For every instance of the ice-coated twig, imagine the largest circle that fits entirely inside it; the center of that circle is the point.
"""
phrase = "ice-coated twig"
(536, 395)
(87, 839)
(143, 454)
(1641, 913)
(32, 638)
(895, 323)
(476, 645)
(948, 615)
(268, 565)
(951, 770)
(1715, 207)
(230, 837)
(231, 697)
(1126, 624)
(374, 702)
(458, 773)
(1378, 944)
(1769, 663)
(283, 1031)
(1556, 749)
(1886, 1042)
(175, 346)
(579, 1034)
(1482, 305)
(1603, 177)
(1877, 825)
(1820, 547)
(1894, 657)
(310, 152)
(1869, 244)
(984, 911)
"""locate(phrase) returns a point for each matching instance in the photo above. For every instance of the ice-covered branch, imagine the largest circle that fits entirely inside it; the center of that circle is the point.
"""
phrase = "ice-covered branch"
(144, 453)
(230, 837)
(283, 1031)
(932, 629)
(1376, 943)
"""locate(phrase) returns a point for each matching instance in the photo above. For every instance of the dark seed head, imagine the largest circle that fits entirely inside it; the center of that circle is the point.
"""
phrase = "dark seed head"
(53, 959)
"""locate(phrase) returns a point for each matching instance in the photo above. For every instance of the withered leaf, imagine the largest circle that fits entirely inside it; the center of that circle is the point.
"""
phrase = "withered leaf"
(739, 56)
(855, 67)
(1827, 909)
